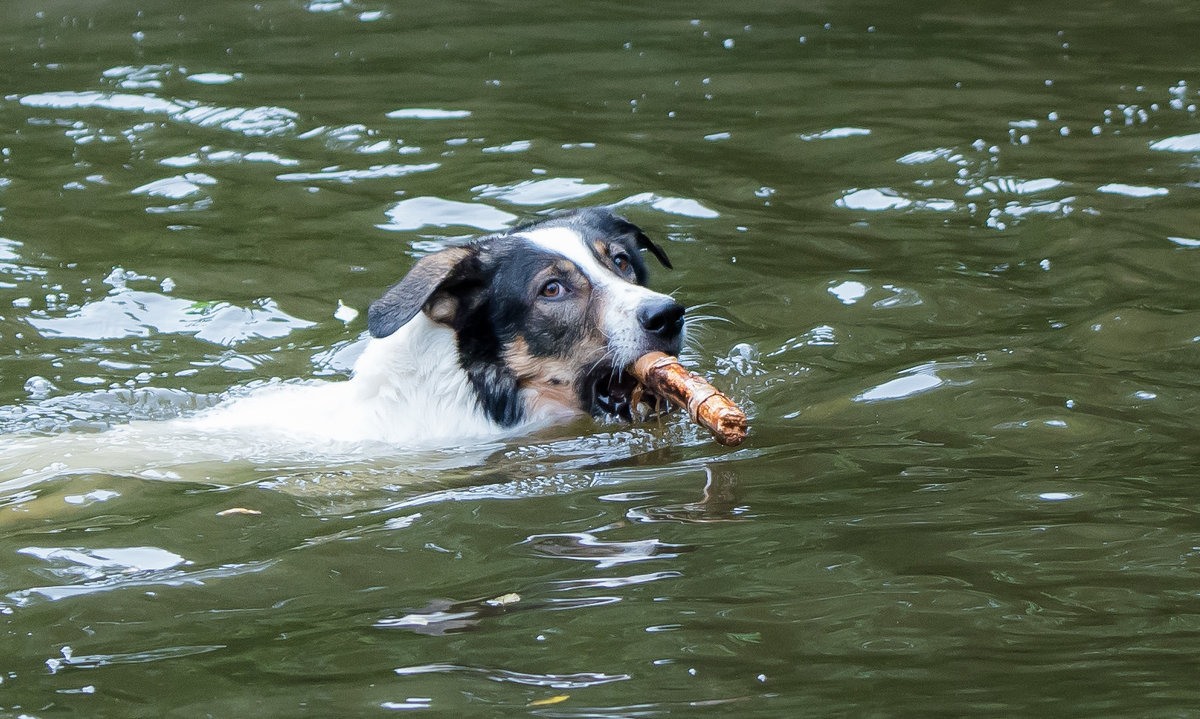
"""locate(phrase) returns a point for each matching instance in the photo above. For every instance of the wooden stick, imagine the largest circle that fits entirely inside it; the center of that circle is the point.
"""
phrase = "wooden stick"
(665, 377)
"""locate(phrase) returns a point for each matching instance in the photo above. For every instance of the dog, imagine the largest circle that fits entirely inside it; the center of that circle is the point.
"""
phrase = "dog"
(509, 333)
(480, 342)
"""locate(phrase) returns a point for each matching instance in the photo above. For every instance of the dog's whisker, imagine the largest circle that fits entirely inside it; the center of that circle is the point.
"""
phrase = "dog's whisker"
(704, 305)
(701, 319)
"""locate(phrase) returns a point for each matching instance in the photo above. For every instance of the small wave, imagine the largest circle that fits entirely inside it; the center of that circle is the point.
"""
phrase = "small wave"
(542, 192)
(417, 212)
(579, 680)
(250, 121)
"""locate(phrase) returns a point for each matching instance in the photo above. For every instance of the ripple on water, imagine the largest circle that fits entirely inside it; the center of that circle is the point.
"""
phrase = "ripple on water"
(374, 172)
(137, 313)
(836, 133)
(249, 121)
(541, 192)
(415, 213)
(90, 570)
(1120, 188)
(671, 205)
(1179, 143)
(428, 113)
(914, 381)
(207, 155)
(583, 546)
(176, 187)
(578, 680)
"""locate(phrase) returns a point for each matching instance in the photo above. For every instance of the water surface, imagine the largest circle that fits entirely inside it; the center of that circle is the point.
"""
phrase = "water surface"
(950, 254)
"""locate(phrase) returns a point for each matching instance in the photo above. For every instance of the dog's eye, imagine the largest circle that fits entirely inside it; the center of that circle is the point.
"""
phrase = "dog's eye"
(553, 290)
(621, 260)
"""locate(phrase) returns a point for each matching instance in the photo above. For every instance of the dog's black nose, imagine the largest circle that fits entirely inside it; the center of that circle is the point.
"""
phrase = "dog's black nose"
(661, 318)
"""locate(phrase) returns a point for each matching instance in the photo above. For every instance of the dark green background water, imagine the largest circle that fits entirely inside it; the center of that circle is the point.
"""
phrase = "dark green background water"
(957, 246)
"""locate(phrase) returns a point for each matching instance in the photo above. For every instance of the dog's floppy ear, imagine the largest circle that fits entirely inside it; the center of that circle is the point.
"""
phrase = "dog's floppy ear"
(428, 285)
(626, 227)
(645, 243)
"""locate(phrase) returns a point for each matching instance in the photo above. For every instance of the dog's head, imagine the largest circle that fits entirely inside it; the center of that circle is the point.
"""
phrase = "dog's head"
(547, 315)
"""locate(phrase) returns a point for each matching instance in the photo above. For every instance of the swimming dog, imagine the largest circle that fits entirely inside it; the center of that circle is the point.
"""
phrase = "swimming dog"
(480, 342)
(508, 333)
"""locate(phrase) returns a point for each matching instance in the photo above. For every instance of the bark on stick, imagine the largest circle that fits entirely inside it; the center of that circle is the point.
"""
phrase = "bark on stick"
(665, 377)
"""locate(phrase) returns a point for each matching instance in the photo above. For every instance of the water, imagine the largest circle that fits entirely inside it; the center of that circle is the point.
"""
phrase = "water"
(952, 251)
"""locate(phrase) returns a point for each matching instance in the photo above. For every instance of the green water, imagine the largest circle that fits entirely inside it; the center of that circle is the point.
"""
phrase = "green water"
(953, 249)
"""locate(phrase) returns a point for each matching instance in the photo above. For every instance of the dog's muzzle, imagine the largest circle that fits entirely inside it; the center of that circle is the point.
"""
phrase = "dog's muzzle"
(612, 390)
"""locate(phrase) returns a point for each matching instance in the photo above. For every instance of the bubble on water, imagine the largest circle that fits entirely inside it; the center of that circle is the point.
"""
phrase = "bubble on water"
(743, 359)
(728, 44)
(39, 387)
(1057, 496)
(848, 292)
(345, 313)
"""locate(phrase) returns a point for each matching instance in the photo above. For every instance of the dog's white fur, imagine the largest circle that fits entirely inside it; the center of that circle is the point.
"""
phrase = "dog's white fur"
(407, 390)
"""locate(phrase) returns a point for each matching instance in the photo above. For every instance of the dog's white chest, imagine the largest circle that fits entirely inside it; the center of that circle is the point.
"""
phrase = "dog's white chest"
(407, 390)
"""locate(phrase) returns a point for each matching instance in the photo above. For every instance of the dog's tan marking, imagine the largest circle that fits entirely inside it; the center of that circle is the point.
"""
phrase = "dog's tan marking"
(432, 270)
(551, 380)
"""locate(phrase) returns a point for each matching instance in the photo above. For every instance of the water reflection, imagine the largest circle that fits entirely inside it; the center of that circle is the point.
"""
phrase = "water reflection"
(252, 122)
(137, 313)
(719, 502)
(584, 546)
(579, 680)
(415, 213)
